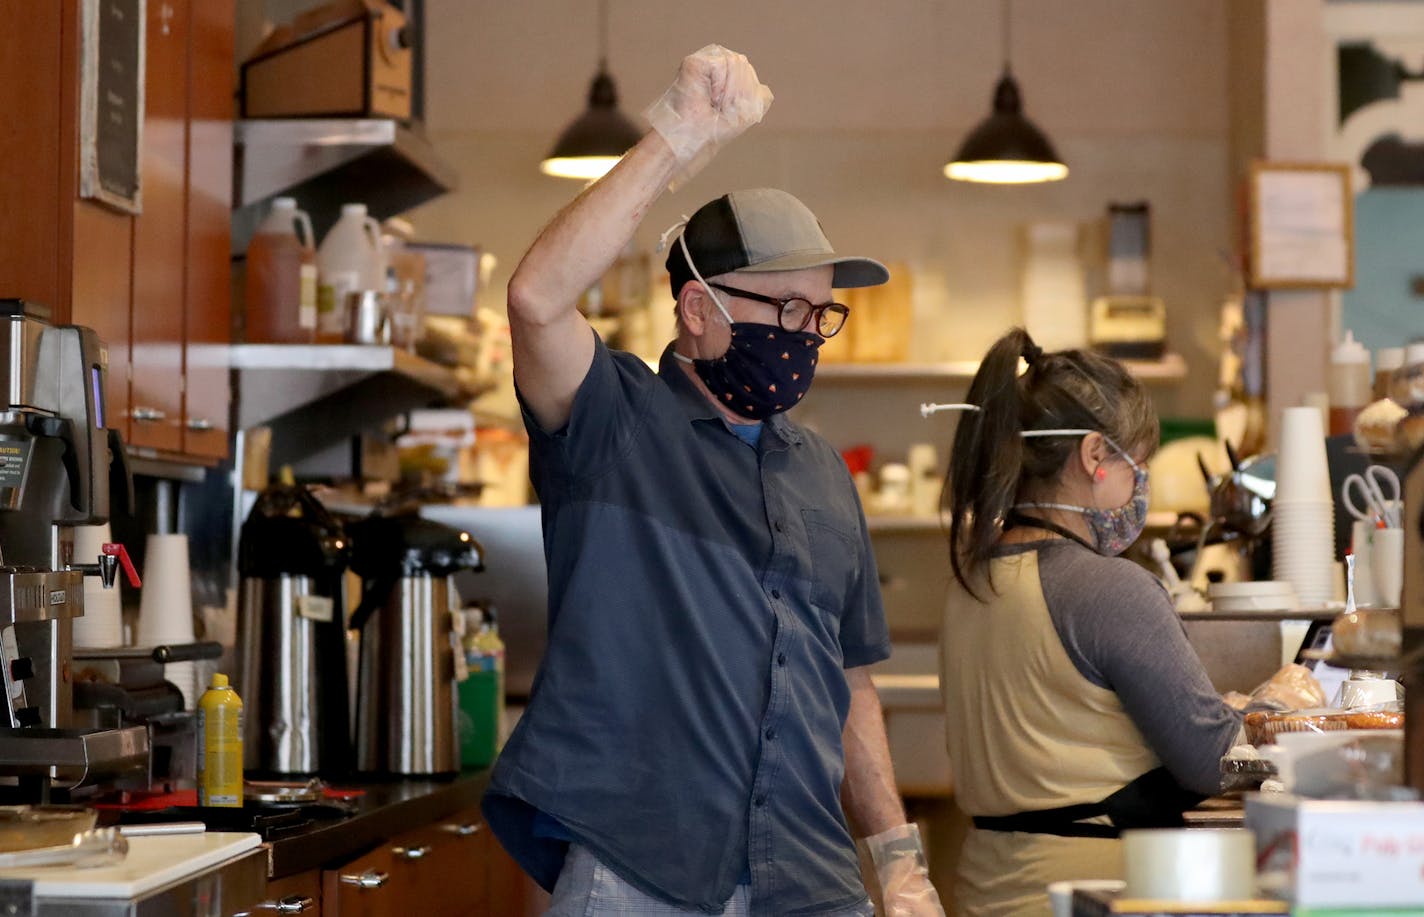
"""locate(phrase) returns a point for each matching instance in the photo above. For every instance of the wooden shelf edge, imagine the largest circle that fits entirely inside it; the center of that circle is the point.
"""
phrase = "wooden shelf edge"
(1171, 368)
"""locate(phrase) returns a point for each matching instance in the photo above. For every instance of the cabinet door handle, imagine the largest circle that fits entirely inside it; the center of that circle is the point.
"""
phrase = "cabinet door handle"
(292, 904)
(411, 853)
(148, 415)
(371, 878)
(199, 424)
(467, 829)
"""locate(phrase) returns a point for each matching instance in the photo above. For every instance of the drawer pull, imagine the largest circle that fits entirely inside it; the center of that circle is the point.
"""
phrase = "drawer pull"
(148, 415)
(292, 904)
(465, 830)
(371, 878)
(411, 853)
(199, 424)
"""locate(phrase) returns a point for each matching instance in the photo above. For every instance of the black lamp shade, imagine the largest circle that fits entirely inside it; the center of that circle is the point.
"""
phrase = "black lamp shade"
(1006, 147)
(596, 139)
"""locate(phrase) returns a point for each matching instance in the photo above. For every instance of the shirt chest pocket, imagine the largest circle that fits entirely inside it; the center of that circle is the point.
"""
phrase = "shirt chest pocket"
(834, 560)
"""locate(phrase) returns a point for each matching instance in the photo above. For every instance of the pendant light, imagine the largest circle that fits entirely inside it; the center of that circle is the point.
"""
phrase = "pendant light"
(595, 141)
(1006, 148)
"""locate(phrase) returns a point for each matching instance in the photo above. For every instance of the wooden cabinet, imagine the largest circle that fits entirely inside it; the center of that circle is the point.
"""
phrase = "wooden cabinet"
(154, 285)
(451, 868)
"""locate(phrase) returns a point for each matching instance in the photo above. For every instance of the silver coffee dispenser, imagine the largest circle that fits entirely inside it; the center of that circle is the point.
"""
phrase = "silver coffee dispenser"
(55, 464)
(406, 701)
(291, 636)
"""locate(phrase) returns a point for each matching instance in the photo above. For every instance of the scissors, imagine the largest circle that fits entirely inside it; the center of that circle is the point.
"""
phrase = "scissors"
(1379, 489)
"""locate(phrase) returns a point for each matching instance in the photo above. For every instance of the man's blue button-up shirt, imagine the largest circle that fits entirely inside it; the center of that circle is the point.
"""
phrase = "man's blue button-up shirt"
(705, 596)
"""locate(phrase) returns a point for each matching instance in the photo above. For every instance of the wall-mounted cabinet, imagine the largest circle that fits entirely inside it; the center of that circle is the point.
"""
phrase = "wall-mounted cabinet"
(154, 285)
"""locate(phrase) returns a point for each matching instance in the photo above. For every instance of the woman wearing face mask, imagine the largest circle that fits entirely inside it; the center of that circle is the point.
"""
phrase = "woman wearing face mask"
(1074, 705)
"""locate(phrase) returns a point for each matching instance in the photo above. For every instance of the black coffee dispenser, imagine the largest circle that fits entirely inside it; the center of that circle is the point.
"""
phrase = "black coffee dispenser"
(292, 554)
(406, 700)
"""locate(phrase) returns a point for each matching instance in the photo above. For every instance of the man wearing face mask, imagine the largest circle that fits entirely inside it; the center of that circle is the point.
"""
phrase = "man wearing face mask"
(703, 735)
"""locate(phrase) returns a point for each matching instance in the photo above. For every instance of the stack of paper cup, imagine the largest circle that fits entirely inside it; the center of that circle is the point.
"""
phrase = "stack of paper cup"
(165, 612)
(1303, 511)
(103, 621)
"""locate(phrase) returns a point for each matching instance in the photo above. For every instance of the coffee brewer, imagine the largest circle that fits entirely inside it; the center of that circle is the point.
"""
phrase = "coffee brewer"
(406, 702)
(55, 465)
(291, 636)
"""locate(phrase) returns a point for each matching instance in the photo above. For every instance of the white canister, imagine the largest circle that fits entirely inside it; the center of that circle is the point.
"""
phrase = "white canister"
(1190, 864)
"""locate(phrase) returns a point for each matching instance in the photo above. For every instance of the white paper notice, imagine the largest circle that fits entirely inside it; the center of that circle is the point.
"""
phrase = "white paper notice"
(1302, 227)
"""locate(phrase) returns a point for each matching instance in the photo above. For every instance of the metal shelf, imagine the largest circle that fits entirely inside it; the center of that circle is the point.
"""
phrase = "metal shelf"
(327, 391)
(326, 162)
(1170, 369)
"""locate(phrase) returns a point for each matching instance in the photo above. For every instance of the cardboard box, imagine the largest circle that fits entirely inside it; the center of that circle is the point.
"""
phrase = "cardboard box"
(348, 58)
(1339, 853)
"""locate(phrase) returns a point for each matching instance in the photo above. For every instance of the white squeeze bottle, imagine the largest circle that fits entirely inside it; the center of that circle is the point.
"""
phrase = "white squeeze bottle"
(280, 294)
(348, 261)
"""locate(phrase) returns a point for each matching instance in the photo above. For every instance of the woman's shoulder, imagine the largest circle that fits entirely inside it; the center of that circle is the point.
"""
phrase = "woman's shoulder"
(1078, 569)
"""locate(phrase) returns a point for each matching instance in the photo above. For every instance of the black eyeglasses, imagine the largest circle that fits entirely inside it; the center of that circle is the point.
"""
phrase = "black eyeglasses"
(796, 313)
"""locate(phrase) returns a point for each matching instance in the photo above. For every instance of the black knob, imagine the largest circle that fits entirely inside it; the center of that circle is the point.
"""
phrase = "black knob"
(22, 668)
(28, 716)
(402, 38)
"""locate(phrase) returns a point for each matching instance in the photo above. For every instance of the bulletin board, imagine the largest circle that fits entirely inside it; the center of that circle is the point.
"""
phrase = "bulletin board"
(1302, 226)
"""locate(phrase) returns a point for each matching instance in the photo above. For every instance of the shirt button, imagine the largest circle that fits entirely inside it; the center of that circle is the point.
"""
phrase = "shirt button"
(777, 525)
(776, 593)
(759, 801)
(770, 733)
(781, 659)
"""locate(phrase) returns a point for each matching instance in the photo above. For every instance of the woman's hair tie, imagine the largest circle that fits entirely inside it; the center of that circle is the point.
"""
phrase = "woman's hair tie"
(1031, 352)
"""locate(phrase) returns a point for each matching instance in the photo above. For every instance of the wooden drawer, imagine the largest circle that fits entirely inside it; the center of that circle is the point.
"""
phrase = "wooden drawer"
(364, 887)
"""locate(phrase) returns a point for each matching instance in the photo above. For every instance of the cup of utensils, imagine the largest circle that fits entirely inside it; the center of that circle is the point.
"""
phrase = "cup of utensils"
(1373, 498)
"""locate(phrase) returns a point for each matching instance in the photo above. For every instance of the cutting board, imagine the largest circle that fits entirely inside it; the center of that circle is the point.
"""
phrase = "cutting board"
(152, 863)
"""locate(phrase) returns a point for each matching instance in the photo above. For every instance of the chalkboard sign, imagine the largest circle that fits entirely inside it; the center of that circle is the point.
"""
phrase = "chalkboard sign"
(111, 103)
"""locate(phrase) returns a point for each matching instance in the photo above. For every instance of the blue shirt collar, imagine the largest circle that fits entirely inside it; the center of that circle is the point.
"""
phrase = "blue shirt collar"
(699, 408)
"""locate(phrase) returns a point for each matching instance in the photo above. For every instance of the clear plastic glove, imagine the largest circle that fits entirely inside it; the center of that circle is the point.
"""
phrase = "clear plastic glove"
(715, 97)
(904, 878)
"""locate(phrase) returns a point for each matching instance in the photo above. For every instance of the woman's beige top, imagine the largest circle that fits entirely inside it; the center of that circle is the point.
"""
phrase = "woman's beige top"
(1033, 725)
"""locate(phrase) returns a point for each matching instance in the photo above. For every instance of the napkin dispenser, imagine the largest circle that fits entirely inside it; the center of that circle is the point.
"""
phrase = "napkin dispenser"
(350, 58)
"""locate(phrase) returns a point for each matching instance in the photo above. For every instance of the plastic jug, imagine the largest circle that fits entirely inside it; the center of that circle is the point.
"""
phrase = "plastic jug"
(280, 296)
(1350, 384)
(348, 261)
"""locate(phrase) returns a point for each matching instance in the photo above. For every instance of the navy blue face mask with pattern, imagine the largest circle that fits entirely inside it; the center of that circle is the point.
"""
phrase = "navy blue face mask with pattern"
(766, 369)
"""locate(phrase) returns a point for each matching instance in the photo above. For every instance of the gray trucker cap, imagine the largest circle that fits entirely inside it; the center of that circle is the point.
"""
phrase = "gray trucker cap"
(763, 229)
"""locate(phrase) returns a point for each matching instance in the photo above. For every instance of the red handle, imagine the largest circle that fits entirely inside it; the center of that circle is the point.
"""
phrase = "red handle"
(114, 549)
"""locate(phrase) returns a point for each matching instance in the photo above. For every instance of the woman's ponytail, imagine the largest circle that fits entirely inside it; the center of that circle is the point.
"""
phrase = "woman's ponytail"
(986, 460)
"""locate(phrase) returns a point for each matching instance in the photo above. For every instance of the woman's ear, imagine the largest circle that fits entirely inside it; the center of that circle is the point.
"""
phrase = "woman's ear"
(1092, 452)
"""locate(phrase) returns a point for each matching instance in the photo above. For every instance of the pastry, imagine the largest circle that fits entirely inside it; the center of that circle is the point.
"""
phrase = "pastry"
(1376, 426)
(1369, 633)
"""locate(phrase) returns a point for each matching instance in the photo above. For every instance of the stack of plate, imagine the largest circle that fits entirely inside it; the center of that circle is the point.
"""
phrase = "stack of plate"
(1271, 595)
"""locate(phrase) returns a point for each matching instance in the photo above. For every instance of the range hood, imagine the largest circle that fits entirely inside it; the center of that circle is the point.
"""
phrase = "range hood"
(326, 162)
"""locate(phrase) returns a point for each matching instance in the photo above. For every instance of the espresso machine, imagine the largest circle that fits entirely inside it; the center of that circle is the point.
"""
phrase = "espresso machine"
(55, 465)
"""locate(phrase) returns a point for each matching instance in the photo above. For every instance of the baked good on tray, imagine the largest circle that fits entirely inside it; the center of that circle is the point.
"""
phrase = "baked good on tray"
(1262, 727)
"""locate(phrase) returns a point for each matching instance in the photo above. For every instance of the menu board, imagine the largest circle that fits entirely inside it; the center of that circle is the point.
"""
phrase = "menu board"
(1301, 225)
(111, 103)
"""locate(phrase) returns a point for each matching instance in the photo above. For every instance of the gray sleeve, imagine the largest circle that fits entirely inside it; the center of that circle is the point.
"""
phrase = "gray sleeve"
(1122, 633)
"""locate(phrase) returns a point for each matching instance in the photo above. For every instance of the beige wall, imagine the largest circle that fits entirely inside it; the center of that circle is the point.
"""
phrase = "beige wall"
(871, 100)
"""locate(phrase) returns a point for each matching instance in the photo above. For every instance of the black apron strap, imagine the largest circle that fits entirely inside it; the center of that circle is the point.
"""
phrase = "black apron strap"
(1153, 800)
(1016, 519)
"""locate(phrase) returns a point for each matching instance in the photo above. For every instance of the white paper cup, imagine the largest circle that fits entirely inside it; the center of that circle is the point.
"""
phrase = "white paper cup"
(1362, 546)
(165, 613)
(1368, 692)
(1193, 865)
(1387, 566)
(102, 624)
(1302, 470)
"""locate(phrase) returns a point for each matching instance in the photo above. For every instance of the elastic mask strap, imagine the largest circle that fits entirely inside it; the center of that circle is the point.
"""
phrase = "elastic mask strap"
(680, 227)
(927, 409)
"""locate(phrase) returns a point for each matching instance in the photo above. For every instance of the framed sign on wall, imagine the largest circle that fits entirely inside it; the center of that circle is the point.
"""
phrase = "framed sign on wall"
(1301, 225)
(111, 103)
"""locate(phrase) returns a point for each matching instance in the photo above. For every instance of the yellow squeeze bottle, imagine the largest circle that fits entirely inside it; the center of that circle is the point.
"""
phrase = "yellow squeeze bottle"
(220, 745)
